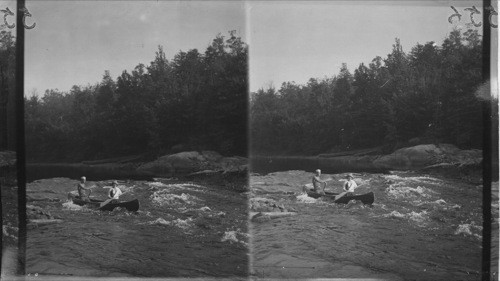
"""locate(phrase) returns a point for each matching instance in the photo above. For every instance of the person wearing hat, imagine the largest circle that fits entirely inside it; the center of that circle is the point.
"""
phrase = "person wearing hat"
(81, 189)
(317, 182)
(114, 192)
(350, 185)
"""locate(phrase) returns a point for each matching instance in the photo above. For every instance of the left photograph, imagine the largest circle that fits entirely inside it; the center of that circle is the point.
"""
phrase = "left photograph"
(136, 139)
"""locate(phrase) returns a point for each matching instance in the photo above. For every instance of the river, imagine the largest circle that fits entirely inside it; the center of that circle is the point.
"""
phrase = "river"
(421, 227)
(181, 230)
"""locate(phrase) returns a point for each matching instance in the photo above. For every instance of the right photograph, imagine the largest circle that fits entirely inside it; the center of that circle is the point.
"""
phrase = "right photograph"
(367, 133)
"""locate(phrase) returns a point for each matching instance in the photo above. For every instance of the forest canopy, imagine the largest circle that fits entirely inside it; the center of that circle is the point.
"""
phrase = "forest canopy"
(195, 101)
(422, 96)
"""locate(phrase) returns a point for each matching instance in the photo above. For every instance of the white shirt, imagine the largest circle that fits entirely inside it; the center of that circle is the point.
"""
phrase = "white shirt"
(350, 185)
(117, 193)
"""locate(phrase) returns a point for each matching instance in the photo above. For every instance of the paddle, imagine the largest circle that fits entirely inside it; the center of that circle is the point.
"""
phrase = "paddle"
(109, 200)
(105, 203)
(337, 197)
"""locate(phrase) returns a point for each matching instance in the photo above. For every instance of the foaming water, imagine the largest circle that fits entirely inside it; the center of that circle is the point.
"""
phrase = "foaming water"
(69, 205)
(420, 218)
(303, 198)
(426, 179)
(419, 228)
(470, 229)
(177, 232)
(235, 236)
(177, 186)
(163, 197)
(182, 224)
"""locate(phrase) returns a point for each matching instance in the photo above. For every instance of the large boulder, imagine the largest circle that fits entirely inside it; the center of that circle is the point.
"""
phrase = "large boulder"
(259, 204)
(35, 212)
(233, 164)
(192, 162)
(420, 156)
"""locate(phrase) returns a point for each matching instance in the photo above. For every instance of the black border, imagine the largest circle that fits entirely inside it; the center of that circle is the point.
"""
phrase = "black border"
(20, 149)
(21, 160)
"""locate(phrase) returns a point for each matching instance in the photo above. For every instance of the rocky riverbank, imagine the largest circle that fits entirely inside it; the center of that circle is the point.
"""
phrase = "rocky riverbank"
(428, 158)
(183, 164)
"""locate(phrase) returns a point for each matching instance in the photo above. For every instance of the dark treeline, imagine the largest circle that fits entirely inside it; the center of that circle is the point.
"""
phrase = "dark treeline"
(426, 95)
(7, 90)
(194, 101)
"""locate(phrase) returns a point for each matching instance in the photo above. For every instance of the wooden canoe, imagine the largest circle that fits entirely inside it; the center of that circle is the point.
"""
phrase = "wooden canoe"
(131, 206)
(367, 198)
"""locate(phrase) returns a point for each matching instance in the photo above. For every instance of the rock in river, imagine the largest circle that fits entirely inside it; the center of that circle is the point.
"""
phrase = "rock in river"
(193, 161)
(420, 156)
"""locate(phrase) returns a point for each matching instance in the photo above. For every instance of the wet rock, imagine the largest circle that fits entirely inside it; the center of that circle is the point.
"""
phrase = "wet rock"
(260, 204)
(260, 218)
(233, 164)
(420, 156)
(195, 162)
(35, 212)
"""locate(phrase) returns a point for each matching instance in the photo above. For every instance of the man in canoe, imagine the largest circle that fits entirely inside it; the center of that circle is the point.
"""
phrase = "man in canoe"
(114, 192)
(81, 189)
(317, 182)
(350, 185)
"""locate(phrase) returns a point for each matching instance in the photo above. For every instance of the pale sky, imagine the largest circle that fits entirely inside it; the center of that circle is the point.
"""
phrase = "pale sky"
(74, 42)
(297, 40)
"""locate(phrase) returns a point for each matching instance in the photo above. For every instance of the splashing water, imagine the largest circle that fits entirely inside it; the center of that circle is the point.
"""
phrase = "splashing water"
(178, 217)
(419, 218)
(399, 191)
(159, 221)
(303, 198)
(179, 223)
(231, 236)
(183, 224)
(426, 179)
(440, 201)
(466, 229)
(156, 184)
(162, 198)
(7, 230)
(177, 186)
(355, 241)
(71, 206)
(205, 209)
